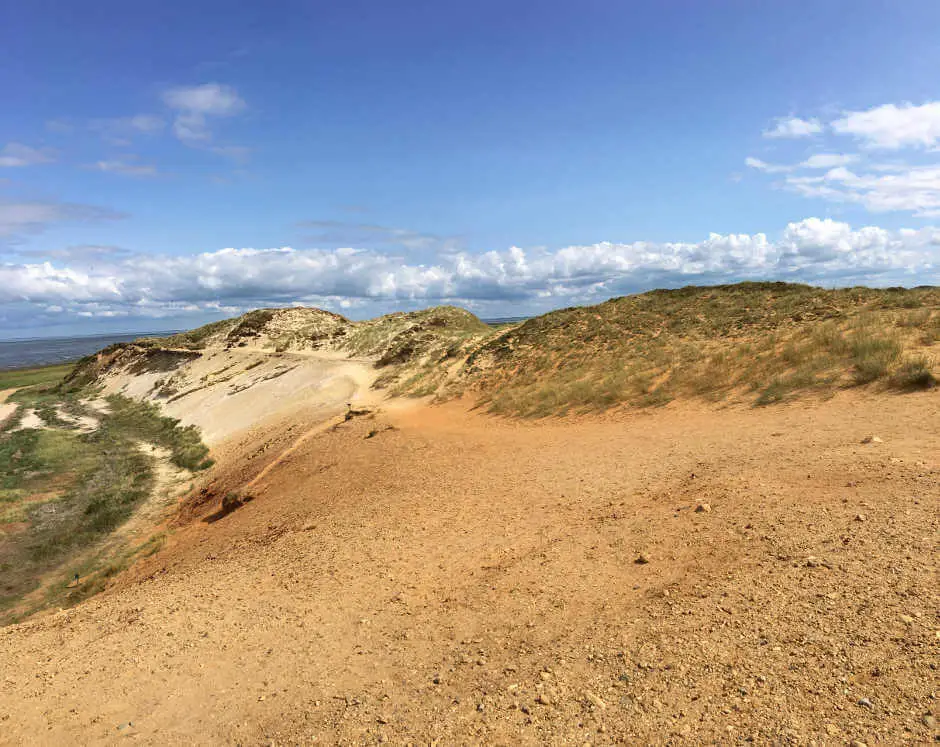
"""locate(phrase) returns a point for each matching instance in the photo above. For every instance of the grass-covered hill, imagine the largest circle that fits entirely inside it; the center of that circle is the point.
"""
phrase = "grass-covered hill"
(763, 342)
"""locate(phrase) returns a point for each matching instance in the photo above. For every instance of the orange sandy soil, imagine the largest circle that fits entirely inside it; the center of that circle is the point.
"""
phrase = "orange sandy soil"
(462, 579)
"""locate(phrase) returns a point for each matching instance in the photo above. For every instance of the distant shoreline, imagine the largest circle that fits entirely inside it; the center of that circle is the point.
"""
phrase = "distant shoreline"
(52, 351)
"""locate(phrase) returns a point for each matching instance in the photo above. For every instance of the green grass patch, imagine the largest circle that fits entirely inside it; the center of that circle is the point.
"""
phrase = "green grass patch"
(63, 491)
(21, 377)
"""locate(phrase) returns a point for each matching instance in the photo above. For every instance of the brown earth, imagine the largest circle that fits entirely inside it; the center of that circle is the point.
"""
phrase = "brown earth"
(457, 578)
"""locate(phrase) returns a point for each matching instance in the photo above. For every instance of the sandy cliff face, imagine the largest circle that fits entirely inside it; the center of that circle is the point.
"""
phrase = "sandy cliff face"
(224, 391)
(228, 376)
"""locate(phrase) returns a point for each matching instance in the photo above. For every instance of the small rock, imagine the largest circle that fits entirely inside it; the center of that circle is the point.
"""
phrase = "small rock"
(594, 700)
(382, 719)
(642, 559)
(543, 699)
(813, 562)
(703, 508)
(907, 619)
(857, 743)
(872, 440)
(928, 720)
(832, 730)
(865, 703)
(860, 517)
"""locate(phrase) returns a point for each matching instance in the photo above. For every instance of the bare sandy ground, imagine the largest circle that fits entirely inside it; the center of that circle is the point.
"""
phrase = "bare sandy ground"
(226, 391)
(459, 579)
(6, 408)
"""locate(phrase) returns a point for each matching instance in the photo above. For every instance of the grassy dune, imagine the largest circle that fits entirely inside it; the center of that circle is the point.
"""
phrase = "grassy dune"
(757, 342)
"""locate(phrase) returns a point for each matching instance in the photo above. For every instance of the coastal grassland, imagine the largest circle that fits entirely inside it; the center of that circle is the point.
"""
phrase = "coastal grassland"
(65, 490)
(757, 342)
(20, 377)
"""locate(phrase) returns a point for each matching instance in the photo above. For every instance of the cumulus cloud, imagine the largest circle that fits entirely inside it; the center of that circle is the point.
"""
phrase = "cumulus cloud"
(17, 154)
(910, 184)
(195, 105)
(891, 126)
(815, 250)
(789, 127)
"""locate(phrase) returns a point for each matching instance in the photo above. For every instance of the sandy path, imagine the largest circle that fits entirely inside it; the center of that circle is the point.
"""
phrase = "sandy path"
(6, 408)
(467, 580)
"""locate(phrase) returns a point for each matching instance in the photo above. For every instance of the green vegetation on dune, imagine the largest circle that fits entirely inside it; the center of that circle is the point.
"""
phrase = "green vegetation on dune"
(766, 341)
(64, 490)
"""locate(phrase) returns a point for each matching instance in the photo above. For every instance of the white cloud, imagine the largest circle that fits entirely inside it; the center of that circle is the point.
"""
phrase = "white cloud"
(828, 160)
(767, 168)
(814, 250)
(17, 154)
(194, 105)
(909, 184)
(913, 189)
(818, 161)
(789, 127)
(891, 126)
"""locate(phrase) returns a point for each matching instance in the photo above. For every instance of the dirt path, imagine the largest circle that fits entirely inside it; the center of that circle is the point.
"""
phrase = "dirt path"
(466, 579)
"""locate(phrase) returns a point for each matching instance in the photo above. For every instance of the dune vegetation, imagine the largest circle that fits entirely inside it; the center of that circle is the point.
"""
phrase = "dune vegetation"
(73, 470)
(755, 342)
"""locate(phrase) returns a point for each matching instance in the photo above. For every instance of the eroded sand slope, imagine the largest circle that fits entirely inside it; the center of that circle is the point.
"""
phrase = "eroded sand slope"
(225, 390)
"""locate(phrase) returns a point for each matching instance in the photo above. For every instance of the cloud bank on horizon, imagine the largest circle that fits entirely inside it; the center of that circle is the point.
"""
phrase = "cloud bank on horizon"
(104, 282)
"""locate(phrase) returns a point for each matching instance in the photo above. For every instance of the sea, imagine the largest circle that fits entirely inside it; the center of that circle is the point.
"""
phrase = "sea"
(45, 351)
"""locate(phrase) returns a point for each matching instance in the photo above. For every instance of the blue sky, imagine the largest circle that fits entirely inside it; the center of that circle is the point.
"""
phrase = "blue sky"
(162, 164)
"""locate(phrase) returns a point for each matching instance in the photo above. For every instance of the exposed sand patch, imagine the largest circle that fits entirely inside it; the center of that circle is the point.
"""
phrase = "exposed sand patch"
(83, 423)
(98, 405)
(226, 391)
(30, 419)
(6, 408)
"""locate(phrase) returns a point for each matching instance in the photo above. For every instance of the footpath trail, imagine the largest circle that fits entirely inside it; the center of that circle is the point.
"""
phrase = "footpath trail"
(435, 575)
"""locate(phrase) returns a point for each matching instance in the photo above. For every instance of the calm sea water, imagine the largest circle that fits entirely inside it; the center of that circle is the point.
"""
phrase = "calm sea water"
(48, 350)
